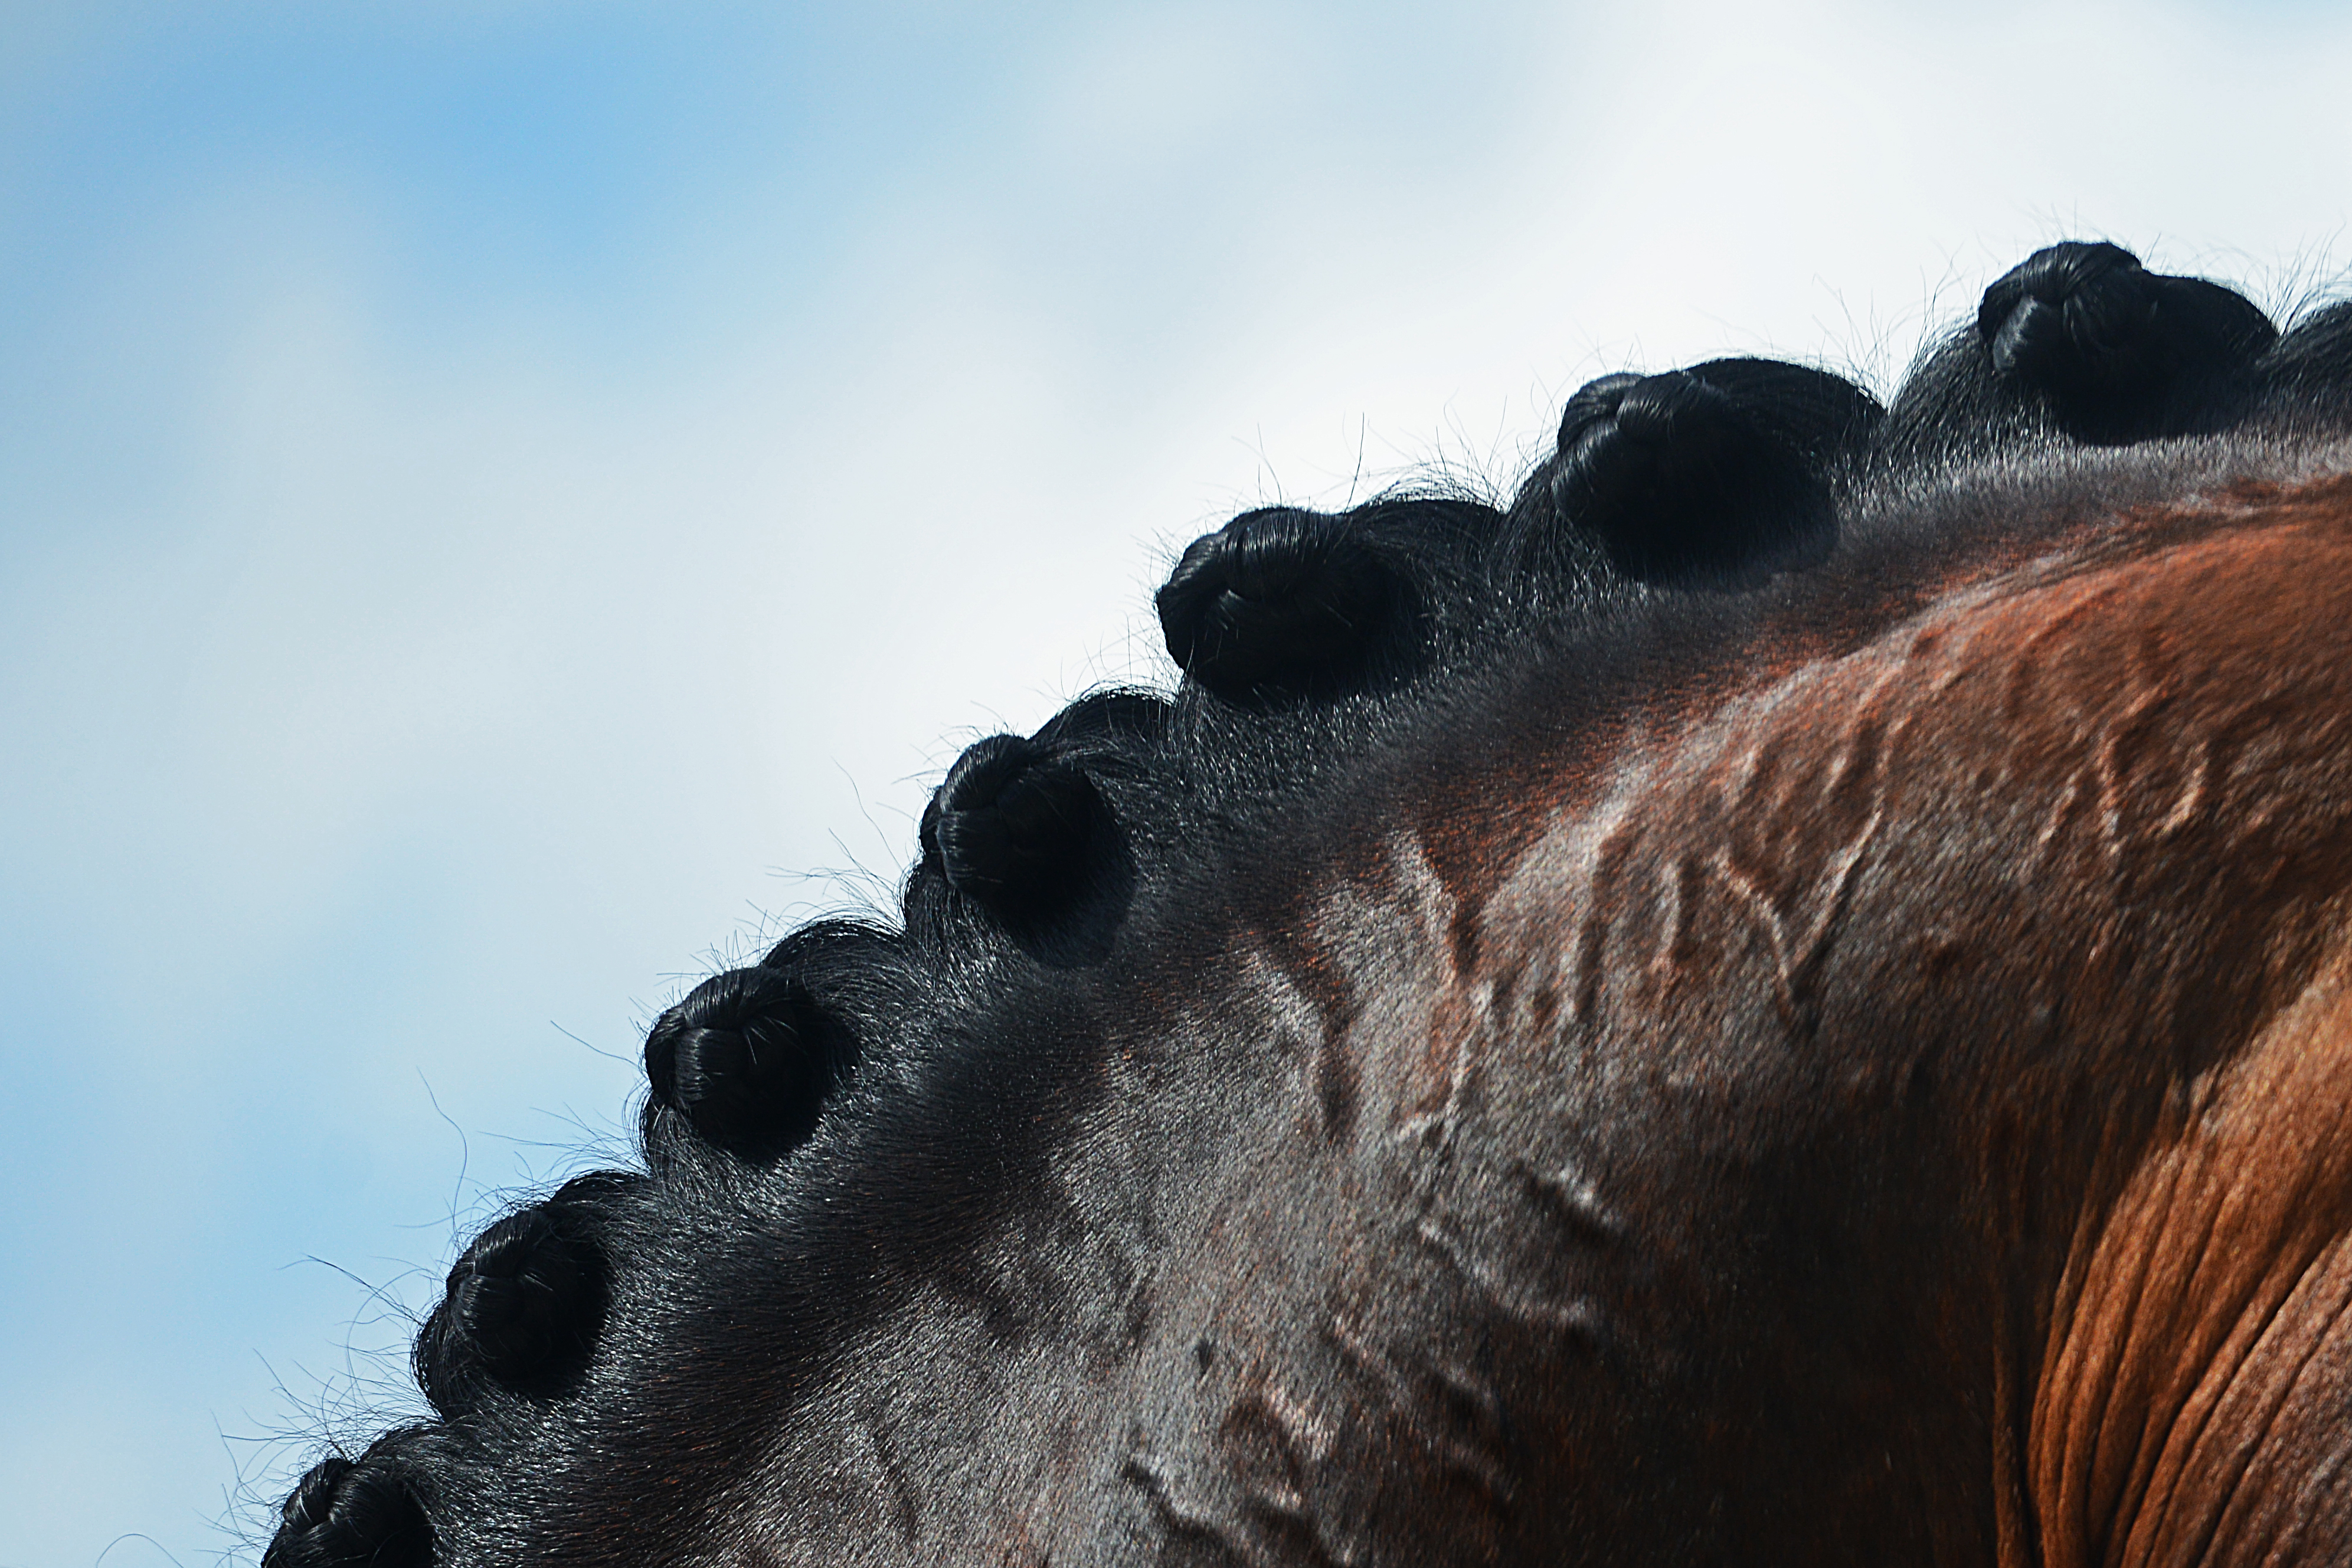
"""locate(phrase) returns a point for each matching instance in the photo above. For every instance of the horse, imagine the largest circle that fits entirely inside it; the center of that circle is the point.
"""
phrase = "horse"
(1785, 996)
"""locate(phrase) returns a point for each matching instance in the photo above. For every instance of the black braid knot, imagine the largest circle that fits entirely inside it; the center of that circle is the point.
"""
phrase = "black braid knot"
(748, 1059)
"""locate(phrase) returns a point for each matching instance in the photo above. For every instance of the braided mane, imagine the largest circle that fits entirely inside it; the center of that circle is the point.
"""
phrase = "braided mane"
(1559, 1041)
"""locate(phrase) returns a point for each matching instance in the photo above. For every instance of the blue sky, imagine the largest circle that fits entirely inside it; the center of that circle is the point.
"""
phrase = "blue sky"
(503, 507)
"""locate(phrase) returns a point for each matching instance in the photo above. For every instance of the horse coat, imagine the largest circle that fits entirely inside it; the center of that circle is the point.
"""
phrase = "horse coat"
(1784, 999)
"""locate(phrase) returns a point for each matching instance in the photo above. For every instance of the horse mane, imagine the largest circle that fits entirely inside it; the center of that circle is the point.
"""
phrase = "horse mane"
(1153, 881)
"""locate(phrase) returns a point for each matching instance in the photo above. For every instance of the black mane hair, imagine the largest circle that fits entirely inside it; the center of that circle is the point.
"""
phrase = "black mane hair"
(1124, 928)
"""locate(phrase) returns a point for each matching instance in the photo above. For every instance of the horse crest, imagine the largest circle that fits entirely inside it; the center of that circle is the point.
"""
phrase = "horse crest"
(1785, 998)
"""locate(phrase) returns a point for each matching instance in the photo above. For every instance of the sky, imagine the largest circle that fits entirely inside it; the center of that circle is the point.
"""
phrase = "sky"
(506, 507)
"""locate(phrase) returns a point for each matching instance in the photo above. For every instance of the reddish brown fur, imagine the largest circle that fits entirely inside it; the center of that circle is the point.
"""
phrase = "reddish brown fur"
(2090, 813)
